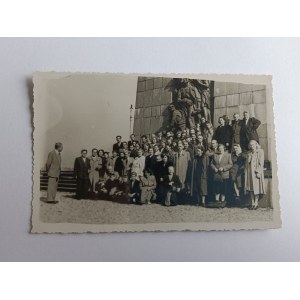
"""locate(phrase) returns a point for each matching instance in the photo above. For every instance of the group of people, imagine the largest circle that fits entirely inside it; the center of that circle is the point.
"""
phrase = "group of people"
(190, 166)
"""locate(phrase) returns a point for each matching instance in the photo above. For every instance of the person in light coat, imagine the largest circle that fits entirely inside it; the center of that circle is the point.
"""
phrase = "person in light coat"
(254, 173)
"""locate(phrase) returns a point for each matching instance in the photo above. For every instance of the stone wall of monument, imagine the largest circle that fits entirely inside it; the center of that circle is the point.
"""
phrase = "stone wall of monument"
(235, 97)
(152, 100)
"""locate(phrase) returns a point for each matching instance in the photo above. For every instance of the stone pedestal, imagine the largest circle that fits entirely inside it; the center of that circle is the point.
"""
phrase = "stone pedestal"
(151, 108)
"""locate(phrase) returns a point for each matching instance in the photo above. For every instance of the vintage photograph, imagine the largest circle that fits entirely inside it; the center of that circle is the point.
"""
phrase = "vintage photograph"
(128, 152)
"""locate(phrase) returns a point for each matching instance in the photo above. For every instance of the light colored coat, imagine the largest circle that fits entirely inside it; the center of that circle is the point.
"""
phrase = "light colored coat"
(183, 166)
(96, 164)
(53, 164)
(255, 165)
(225, 162)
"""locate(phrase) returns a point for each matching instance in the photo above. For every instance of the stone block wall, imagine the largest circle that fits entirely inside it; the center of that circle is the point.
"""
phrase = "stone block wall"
(151, 107)
(230, 98)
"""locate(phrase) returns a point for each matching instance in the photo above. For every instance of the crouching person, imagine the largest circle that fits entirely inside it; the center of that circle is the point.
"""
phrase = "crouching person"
(134, 189)
(171, 186)
(122, 195)
(111, 187)
(148, 186)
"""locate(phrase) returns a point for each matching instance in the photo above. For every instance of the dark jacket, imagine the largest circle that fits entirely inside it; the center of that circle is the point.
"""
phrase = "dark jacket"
(223, 135)
(135, 187)
(248, 132)
(176, 183)
(81, 168)
(150, 163)
(117, 147)
(236, 131)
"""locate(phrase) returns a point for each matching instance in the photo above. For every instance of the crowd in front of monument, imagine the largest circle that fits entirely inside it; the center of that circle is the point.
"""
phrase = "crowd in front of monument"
(201, 166)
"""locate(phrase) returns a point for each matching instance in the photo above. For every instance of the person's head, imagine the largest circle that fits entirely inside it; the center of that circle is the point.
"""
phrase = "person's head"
(94, 152)
(171, 108)
(222, 121)
(134, 143)
(169, 141)
(174, 144)
(165, 158)
(168, 147)
(209, 125)
(132, 137)
(180, 147)
(214, 144)
(110, 170)
(153, 135)
(170, 170)
(118, 138)
(237, 149)
(144, 138)
(221, 148)
(185, 145)
(137, 146)
(193, 136)
(106, 154)
(140, 153)
(124, 144)
(159, 134)
(253, 145)
(58, 147)
(188, 139)
(151, 151)
(131, 147)
(183, 134)
(192, 131)
(147, 173)
(101, 153)
(122, 154)
(114, 154)
(163, 144)
(83, 152)
(200, 138)
(155, 147)
(203, 120)
(158, 158)
(168, 134)
(124, 178)
(112, 176)
(199, 151)
(178, 134)
(236, 117)
(246, 115)
(146, 147)
(133, 176)
(125, 152)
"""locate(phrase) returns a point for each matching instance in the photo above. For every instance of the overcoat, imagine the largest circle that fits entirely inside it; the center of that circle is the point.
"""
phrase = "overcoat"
(255, 165)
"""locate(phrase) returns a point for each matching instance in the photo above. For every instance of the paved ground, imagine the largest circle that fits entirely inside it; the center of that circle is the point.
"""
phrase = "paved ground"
(70, 210)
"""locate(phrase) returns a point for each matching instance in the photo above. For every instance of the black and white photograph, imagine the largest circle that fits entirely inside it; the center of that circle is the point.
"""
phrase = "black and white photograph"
(128, 152)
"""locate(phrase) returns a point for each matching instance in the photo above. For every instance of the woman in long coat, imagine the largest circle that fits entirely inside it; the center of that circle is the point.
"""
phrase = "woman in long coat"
(254, 173)
(199, 176)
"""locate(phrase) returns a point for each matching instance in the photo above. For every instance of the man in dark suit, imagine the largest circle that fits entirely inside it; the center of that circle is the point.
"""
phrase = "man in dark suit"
(134, 189)
(53, 167)
(82, 168)
(172, 186)
(132, 140)
(150, 161)
(236, 129)
(118, 145)
(248, 130)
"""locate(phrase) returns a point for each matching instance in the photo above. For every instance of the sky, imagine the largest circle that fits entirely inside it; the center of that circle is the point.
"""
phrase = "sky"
(83, 111)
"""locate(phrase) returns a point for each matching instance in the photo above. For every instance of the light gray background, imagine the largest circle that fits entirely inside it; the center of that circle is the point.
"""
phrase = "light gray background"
(20, 57)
